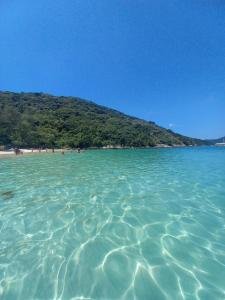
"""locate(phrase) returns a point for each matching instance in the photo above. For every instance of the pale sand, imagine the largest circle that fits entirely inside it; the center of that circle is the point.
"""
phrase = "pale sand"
(6, 152)
(29, 151)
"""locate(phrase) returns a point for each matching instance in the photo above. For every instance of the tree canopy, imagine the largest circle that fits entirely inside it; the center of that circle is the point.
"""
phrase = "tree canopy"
(42, 120)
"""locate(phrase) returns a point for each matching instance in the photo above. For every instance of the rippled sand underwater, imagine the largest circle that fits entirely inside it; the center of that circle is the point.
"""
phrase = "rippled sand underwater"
(116, 224)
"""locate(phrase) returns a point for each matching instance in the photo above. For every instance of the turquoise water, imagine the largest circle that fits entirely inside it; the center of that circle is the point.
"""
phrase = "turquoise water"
(116, 224)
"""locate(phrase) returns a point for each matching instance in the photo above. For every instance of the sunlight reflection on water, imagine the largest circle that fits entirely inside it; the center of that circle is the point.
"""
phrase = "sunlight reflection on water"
(116, 224)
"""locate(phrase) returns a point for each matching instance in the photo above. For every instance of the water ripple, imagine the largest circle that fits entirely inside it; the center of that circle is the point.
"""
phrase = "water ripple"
(134, 224)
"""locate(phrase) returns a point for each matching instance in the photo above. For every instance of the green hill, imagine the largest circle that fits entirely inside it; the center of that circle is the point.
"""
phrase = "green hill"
(37, 119)
(219, 140)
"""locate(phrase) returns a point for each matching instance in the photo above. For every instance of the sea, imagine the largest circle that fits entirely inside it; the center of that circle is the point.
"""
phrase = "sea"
(113, 224)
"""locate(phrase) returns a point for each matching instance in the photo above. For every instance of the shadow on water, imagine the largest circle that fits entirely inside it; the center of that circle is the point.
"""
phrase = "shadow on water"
(7, 195)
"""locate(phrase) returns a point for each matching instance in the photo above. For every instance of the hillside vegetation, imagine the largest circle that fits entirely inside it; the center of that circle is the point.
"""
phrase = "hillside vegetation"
(42, 120)
(215, 141)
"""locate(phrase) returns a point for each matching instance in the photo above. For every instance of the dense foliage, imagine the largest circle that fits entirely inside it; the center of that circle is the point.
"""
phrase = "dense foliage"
(41, 120)
(214, 141)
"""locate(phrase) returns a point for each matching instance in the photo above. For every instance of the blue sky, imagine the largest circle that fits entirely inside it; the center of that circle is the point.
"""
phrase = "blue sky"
(158, 60)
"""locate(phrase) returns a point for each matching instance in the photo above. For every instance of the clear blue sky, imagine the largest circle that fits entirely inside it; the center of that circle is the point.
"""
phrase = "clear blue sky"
(159, 60)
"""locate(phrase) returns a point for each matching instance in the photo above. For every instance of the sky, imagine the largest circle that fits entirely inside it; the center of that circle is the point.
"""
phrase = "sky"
(158, 60)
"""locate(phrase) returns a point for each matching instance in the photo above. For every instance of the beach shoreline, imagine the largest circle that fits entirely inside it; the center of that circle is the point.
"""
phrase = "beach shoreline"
(30, 151)
(36, 151)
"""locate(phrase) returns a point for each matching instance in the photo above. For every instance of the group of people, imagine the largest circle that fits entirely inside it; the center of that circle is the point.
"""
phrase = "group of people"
(18, 151)
(63, 151)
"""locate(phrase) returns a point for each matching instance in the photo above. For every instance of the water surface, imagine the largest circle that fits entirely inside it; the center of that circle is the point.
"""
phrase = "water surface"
(114, 224)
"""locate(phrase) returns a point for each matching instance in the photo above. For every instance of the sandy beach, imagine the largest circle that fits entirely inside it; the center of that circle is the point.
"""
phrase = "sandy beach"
(30, 151)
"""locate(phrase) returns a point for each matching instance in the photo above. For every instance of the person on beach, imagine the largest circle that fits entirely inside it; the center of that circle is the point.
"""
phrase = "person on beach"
(17, 151)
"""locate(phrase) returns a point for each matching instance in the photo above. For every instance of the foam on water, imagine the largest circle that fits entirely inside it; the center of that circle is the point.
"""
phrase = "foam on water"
(132, 224)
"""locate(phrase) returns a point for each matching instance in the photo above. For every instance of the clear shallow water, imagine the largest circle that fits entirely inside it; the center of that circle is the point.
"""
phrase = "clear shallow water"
(125, 224)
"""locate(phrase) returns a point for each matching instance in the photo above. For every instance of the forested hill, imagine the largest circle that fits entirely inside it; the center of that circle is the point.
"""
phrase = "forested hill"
(219, 140)
(37, 119)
